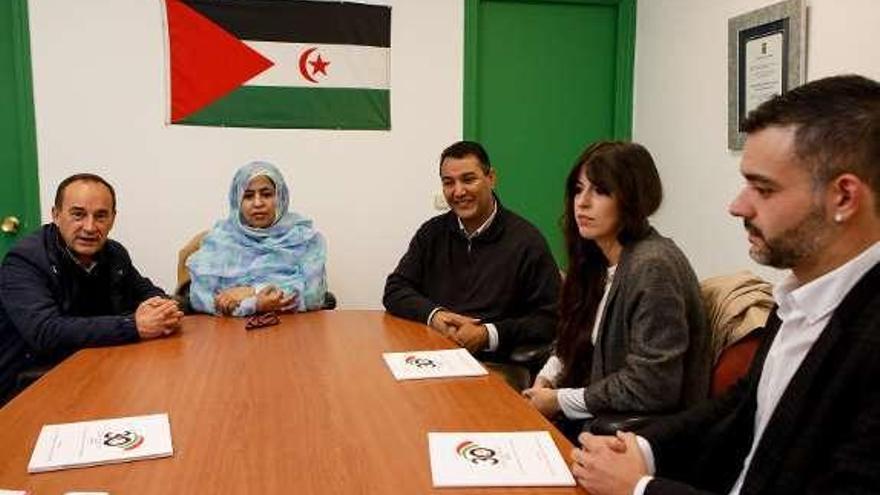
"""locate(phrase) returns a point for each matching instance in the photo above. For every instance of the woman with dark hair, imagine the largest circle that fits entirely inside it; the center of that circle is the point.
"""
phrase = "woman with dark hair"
(632, 331)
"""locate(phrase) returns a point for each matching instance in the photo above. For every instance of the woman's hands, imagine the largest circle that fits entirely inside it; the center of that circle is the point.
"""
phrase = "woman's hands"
(228, 299)
(272, 298)
(269, 298)
(543, 397)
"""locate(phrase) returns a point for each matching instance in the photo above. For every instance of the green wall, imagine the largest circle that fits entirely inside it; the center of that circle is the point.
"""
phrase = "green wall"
(542, 80)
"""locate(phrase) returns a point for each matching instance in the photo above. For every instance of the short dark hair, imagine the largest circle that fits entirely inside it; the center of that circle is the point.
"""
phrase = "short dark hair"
(837, 122)
(59, 192)
(464, 149)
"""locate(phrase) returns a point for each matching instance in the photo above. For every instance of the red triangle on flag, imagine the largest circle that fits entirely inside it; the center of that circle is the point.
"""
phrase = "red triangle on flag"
(206, 61)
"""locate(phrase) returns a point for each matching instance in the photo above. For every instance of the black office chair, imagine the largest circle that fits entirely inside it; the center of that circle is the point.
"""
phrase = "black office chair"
(523, 365)
(25, 378)
(30, 375)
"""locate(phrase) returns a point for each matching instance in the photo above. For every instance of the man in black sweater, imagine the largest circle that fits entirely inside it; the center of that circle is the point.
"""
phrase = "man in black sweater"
(480, 274)
(66, 287)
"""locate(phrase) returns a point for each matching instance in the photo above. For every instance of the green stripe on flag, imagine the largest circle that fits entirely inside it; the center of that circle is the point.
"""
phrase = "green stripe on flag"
(284, 107)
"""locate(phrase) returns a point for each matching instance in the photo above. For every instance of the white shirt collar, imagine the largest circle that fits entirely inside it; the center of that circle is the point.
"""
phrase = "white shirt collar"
(482, 228)
(821, 296)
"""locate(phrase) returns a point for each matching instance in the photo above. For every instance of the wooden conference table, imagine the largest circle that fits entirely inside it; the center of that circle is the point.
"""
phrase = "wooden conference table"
(304, 407)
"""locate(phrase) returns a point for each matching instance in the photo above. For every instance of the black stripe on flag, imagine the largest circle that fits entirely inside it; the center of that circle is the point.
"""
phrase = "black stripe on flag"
(297, 21)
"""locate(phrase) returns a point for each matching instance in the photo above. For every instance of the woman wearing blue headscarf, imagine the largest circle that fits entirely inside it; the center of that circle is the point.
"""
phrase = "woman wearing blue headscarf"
(262, 257)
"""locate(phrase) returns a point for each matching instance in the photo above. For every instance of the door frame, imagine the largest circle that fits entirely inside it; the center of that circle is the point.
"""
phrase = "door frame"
(24, 113)
(624, 60)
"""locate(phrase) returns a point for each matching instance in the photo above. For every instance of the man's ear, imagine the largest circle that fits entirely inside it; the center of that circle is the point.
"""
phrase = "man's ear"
(847, 195)
(55, 214)
(492, 177)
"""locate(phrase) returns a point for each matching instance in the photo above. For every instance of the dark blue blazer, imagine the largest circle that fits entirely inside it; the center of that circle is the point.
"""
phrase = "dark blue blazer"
(40, 322)
(823, 437)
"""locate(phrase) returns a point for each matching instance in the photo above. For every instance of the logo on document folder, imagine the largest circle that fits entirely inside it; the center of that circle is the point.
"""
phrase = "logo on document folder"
(124, 440)
(477, 454)
(420, 362)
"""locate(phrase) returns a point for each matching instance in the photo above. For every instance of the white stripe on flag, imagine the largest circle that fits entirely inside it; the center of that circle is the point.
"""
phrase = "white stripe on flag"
(348, 66)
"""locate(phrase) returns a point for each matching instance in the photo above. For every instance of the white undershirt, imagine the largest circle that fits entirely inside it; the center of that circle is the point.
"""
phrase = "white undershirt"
(805, 311)
(571, 400)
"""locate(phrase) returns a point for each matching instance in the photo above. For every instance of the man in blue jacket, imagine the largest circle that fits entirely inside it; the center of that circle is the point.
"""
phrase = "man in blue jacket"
(67, 286)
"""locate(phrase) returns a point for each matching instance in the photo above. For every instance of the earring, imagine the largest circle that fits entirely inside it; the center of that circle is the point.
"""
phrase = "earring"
(838, 218)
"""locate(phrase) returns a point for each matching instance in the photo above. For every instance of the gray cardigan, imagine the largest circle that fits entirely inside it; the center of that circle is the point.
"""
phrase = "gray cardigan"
(651, 350)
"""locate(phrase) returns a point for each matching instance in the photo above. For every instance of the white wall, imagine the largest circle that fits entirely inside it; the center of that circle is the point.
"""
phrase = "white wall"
(680, 109)
(99, 80)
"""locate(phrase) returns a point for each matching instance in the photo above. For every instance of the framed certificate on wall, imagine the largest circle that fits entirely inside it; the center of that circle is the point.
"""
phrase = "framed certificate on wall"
(765, 58)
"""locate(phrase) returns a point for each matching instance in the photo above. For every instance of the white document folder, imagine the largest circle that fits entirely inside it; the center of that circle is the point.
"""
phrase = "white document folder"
(106, 441)
(521, 458)
(416, 365)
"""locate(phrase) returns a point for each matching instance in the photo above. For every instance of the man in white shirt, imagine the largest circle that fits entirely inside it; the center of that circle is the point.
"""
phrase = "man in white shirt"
(806, 419)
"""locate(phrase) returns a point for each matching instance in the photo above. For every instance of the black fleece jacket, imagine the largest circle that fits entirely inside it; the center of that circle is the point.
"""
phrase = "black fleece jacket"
(505, 276)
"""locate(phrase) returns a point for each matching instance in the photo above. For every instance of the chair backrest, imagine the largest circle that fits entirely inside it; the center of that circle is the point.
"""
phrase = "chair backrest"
(734, 362)
(736, 306)
(185, 252)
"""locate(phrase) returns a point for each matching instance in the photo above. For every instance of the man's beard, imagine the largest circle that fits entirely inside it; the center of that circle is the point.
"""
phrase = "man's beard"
(789, 248)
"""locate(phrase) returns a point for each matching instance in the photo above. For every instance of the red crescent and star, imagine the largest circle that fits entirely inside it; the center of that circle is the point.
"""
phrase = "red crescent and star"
(319, 65)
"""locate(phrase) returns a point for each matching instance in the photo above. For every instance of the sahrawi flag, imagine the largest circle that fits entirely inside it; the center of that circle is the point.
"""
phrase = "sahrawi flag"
(279, 63)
